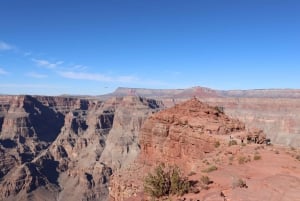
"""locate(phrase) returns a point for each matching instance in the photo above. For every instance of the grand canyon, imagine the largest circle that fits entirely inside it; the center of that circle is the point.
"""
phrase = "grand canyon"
(102, 147)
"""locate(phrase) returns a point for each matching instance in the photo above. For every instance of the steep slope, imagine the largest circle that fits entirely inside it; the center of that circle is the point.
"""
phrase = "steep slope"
(276, 111)
(183, 132)
(199, 140)
(60, 148)
(180, 135)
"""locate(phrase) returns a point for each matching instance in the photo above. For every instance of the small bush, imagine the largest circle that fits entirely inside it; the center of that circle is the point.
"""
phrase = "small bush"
(298, 157)
(205, 180)
(276, 152)
(243, 159)
(256, 157)
(166, 181)
(217, 144)
(192, 173)
(239, 183)
(232, 142)
(220, 109)
(210, 169)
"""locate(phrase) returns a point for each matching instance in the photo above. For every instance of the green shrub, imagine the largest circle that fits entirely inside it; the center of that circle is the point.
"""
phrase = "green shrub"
(166, 181)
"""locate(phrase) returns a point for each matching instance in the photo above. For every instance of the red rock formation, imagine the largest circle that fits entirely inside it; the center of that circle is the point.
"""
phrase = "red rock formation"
(275, 111)
(65, 148)
(183, 133)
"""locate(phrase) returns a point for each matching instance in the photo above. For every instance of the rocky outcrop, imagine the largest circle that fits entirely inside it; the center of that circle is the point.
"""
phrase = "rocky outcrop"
(182, 133)
(275, 111)
(62, 148)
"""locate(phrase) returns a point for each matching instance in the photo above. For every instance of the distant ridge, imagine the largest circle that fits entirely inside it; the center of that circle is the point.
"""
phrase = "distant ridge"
(204, 92)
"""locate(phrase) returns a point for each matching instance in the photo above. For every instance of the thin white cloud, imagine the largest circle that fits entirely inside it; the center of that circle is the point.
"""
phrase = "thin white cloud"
(47, 64)
(78, 67)
(6, 46)
(97, 77)
(36, 75)
(3, 72)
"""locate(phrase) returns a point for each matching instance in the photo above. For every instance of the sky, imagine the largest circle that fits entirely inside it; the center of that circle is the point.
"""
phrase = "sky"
(91, 47)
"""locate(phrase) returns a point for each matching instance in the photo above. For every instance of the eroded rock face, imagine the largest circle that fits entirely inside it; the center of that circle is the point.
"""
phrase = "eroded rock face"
(275, 111)
(182, 133)
(61, 148)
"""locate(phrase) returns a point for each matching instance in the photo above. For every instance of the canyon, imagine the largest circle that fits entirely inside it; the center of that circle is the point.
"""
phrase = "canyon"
(276, 111)
(59, 148)
(100, 147)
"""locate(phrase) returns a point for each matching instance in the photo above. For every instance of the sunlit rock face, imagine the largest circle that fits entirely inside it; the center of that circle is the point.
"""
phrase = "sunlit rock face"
(62, 148)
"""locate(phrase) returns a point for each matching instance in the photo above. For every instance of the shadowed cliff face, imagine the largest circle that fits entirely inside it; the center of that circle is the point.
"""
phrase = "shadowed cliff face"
(45, 122)
(60, 148)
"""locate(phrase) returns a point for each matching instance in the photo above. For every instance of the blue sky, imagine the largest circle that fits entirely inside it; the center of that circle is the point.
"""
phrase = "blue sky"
(57, 47)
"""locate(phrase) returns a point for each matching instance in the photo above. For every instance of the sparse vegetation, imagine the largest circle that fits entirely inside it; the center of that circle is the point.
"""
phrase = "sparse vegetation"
(243, 159)
(166, 181)
(191, 173)
(232, 142)
(205, 180)
(239, 183)
(220, 109)
(217, 144)
(276, 152)
(210, 169)
(256, 157)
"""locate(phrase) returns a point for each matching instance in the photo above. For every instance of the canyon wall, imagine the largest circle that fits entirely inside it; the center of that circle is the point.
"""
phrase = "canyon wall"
(60, 148)
(276, 111)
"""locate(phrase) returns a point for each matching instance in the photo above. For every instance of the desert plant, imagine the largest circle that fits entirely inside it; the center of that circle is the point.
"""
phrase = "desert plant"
(239, 183)
(243, 159)
(220, 109)
(210, 169)
(217, 144)
(256, 157)
(232, 142)
(205, 180)
(192, 173)
(166, 181)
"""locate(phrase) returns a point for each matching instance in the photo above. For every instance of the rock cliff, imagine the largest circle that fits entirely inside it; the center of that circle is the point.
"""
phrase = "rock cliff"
(184, 132)
(276, 111)
(61, 148)
(181, 135)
